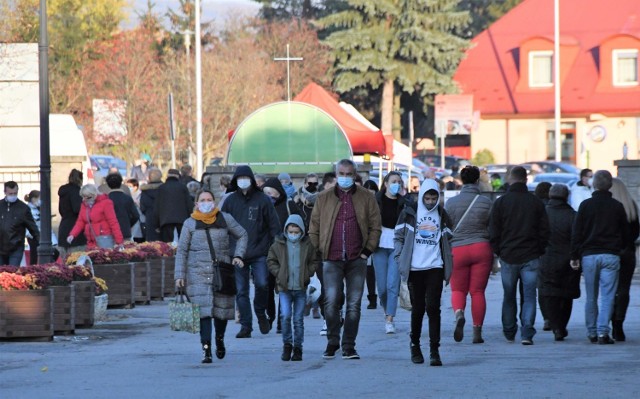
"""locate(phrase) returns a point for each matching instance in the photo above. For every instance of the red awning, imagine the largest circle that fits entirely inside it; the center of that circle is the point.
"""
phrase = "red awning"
(363, 140)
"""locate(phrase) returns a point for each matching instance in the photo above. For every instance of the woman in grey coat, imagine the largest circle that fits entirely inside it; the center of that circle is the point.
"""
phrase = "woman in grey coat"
(472, 254)
(194, 267)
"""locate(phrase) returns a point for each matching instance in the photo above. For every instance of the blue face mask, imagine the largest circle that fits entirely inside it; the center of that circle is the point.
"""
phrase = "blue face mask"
(294, 237)
(205, 207)
(273, 200)
(394, 188)
(289, 189)
(345, 182)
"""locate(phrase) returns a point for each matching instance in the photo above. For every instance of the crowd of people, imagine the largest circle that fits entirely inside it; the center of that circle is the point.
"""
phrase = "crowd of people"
(349, 233)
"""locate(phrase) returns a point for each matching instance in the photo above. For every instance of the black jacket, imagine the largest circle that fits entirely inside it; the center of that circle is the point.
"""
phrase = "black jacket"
(173, 203)
(600, 227)
(402, 201)
(518, 226)
(126, 212)
(15, 219)
(555, 276)
(254, 212)
(283, 205)
(148, 194)
(69, 208)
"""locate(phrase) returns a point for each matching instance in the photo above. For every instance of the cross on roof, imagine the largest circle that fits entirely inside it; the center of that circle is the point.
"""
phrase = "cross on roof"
(288, 59)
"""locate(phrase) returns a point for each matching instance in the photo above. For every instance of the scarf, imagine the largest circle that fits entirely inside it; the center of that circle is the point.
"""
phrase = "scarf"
(206, 218)
(309, 199)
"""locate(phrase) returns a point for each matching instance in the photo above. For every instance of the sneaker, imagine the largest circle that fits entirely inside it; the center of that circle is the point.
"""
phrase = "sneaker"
(316, 313)
(244, 333)
(323, 331)
(286, 352)
(297, 354)
(527, 341)
(416, 353)
(350, 354)
(605, 340)
(434, 358)
(593, 339)
(330, 352)
(264, 325)
(390, 327)
(510, 338)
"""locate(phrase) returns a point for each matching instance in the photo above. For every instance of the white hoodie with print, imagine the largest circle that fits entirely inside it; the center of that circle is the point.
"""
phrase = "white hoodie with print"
(426, 248)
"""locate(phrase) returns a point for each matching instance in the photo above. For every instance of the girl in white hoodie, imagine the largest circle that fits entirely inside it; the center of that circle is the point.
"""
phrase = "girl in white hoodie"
(421, 261)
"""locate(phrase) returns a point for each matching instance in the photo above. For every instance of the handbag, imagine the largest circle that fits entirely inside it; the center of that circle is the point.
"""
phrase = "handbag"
(404, 299)
(184, 315)
(224, 274)
(102, 241)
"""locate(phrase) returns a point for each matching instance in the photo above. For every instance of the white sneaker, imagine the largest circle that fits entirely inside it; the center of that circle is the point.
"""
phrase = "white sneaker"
(390, 327)
(324, 328)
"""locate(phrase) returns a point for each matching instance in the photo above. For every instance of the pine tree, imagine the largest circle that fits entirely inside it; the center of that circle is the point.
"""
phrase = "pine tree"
(284, 10)
(485, 12)
(403, 46)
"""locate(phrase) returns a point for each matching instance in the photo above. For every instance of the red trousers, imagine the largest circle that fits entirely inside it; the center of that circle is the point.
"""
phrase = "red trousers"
(471, 268)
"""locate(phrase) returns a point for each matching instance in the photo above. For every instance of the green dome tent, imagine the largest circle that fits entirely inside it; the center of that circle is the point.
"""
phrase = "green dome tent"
(288, 137)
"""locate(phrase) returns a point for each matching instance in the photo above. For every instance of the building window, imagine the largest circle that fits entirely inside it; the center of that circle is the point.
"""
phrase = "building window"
(625, 67)
(541, 69)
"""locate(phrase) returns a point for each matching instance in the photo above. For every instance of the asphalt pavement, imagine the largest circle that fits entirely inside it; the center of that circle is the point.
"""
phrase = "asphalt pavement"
(134, 354)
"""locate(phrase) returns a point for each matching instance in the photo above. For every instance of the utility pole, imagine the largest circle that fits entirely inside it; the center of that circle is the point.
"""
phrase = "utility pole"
(199, 166)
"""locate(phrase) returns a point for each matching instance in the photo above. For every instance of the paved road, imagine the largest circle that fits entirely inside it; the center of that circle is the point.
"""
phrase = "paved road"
(134, 354)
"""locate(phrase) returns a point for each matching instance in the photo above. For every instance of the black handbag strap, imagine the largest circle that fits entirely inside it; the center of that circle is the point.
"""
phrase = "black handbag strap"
(211, 250)
(181, 294)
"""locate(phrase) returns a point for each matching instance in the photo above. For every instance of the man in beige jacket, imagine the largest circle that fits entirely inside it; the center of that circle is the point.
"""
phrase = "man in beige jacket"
(345, 227)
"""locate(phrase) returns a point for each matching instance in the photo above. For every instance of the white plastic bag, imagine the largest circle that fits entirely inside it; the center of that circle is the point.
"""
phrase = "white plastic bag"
(313, 290)
(405, 298)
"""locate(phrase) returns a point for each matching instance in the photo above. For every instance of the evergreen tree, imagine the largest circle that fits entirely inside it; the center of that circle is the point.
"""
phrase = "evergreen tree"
(403, 46)
(284, 10)
(485, 12)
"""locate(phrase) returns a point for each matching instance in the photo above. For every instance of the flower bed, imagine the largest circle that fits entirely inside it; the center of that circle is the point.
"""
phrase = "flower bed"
(142, 282)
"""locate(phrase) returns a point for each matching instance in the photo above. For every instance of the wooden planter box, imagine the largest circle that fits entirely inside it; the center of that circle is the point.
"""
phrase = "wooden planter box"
(120, 283)
(169, 279)
(64, 309)
(157, 279)
(142, 283)
(85, 299)
(26, 314)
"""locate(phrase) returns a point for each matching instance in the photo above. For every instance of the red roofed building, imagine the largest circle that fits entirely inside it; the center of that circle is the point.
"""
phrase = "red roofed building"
(509, 72)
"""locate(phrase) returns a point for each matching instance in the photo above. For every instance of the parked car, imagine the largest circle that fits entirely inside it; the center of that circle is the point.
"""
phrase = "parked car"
(436, 161)
(568, 179)
(101, 164)
(551, 167)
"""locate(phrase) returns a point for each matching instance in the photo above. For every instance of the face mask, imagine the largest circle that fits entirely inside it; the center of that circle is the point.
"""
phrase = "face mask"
(206, 207)
(345, 182)
(312, 187)
(394, 188)
(244, 184)
(39, 203)
(89, 202)
(11, 198)
(590, 182)
(294, 237)
(273, 200)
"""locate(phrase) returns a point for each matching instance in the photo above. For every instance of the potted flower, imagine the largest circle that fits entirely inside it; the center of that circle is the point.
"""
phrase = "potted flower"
(114, 267)
(26, 306)
(101, 299)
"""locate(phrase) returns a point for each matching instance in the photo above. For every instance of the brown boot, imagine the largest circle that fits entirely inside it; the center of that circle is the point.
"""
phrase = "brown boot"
(477, 335)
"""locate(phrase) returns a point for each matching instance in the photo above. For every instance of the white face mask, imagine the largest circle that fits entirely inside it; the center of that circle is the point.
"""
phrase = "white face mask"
(11, 198)
(206, 207)
(244, 183)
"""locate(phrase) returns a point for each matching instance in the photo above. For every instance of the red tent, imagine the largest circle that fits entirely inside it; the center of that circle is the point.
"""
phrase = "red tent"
(362, 138)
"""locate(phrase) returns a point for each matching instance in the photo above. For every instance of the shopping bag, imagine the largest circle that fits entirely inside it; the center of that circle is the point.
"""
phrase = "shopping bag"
(184, 315)
(405, 298)
(313, 290)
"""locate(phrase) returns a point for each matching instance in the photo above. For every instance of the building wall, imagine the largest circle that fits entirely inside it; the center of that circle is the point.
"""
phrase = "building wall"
(526, 140)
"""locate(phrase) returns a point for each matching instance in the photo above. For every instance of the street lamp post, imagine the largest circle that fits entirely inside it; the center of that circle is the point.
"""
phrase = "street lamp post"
(198, 37)
(45, 250)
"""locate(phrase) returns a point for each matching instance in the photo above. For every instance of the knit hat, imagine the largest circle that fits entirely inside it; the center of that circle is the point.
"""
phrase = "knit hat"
(284, 176)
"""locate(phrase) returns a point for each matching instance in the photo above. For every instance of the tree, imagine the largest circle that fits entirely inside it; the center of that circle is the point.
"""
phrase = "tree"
(485, 12)
(285, 10)
(403, 46)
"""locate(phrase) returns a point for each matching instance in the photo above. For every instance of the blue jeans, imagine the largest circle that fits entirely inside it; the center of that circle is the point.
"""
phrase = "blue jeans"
(600, 274)
(387, 279)
(258, 268)
(511, 273)
(295, 299)
(335, 273)
(12, 258)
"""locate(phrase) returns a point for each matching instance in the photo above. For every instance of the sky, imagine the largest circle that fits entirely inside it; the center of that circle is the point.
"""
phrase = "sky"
(211, 9)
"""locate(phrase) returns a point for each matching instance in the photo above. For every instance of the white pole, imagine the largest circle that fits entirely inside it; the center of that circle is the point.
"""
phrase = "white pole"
(198, 93)
(443, 133)
(556, 79)
(410, 149)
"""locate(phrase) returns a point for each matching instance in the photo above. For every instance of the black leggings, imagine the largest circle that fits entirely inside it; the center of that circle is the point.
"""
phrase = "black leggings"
(205, 328)
(557, 310)
(627, 267)
(425, 289)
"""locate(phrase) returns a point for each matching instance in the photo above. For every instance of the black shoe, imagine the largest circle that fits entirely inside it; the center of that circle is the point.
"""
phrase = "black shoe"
(605, 340)
(617, 332)
(244, 333)
(206, 351)
(546, 326)
(558, 335)
(286, 352)
(330, 352)
(297, 354)
(220, 349)
(350, 354)
(264, 325)
(373, 299)
(593, 339)
(434, 358)
(416, 353)
(527, 341)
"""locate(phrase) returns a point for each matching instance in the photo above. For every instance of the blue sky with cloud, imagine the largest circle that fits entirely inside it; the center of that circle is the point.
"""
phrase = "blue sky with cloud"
(211, 9)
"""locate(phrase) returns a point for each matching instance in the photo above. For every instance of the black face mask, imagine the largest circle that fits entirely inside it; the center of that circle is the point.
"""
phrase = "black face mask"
(312, 187)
